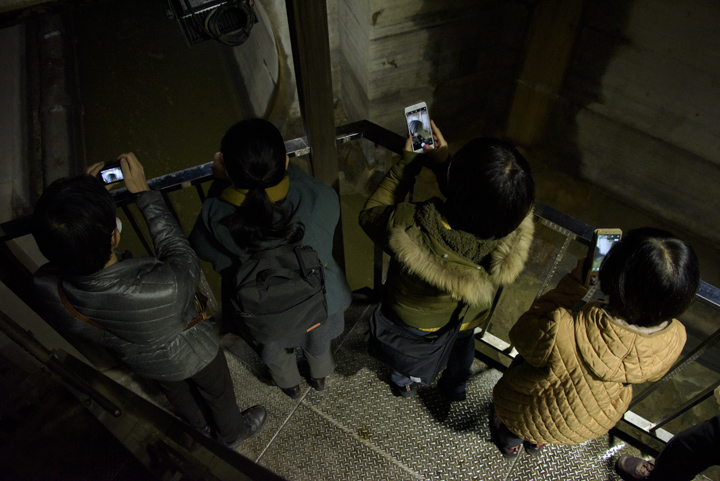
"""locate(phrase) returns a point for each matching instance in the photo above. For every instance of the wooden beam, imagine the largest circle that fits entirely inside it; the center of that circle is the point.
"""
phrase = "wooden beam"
(307, 20)
(311, 57)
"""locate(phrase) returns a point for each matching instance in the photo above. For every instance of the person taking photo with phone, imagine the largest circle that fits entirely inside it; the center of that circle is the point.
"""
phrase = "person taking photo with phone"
(141, 309)
(448, 257)
(572, 379)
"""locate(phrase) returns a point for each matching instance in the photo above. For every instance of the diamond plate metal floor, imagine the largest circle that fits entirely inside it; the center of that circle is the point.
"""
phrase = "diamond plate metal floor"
(357, 430)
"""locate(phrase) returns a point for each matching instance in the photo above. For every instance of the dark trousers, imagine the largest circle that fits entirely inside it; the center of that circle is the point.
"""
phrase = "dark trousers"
(213, 385)
(284, 369)
(458, 370)
(689, 453)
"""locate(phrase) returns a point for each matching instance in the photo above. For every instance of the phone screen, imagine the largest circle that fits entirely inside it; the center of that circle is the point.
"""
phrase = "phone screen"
(602, 247)
(111, 175)
(418, 122)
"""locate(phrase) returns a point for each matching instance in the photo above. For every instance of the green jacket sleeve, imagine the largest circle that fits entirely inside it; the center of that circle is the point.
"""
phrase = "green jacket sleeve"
(377, 216)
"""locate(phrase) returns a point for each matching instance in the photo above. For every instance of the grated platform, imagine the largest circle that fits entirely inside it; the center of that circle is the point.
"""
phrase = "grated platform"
(357, 430)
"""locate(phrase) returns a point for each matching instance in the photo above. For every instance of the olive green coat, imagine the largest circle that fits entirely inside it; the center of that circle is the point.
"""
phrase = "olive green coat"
(426, 277)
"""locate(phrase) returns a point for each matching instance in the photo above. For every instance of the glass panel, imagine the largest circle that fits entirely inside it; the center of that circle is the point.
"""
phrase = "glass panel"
(362, 165)
(547, 260)
(701, 322)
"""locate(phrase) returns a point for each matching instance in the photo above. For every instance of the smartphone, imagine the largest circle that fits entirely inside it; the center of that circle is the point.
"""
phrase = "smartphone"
(603, 240)
(418, 123)
(111, 172)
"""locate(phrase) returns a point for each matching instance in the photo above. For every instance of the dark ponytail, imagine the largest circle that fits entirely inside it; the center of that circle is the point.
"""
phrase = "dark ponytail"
(254, 159)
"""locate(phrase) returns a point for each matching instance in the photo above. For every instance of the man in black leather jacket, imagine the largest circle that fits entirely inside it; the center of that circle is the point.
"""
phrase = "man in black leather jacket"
(139, 308)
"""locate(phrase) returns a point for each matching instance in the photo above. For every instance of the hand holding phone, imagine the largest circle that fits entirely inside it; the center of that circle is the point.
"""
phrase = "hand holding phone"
(135, 180)
(419, 127)
(603, 240)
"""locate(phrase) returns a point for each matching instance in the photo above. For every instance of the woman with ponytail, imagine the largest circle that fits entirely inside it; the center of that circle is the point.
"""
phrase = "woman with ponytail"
(260, 201)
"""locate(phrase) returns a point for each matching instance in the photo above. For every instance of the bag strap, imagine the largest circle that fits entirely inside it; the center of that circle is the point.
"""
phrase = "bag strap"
(196, 320)
(71, 309)
(455, 319)
(306, 272)
(272, 252)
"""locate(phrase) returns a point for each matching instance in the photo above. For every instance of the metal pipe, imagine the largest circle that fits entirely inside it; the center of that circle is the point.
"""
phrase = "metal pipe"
(697, 399)
(49, 359)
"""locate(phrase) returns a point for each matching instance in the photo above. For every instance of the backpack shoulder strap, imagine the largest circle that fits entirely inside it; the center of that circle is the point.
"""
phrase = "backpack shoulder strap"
(272, 252)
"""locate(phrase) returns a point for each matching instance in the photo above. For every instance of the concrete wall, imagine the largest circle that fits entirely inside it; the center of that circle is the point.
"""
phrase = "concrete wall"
(265, 65)
(259, 64)
(460, 57)
(13, 131)
(638, 114)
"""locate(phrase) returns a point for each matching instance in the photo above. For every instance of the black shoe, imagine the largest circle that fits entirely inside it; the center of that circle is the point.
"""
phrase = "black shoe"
(317, 384)
(206, 431)
(294, 392)
(253, 422)
(405, 391)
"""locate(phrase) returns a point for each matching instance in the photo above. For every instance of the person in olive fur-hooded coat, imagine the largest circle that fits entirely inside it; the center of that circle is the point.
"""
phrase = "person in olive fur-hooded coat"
(460, 249)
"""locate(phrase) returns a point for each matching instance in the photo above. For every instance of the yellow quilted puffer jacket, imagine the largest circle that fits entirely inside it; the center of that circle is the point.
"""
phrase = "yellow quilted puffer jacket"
(573, 382)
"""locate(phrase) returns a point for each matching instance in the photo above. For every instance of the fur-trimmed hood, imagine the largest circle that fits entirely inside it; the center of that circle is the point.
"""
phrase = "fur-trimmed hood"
(423, 256)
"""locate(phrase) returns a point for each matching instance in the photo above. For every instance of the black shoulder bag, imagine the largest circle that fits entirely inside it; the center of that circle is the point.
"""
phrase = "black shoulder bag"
(410, 354)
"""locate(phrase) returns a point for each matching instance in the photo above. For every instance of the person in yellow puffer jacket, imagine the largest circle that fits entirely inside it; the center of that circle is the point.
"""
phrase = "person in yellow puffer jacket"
(572, 379)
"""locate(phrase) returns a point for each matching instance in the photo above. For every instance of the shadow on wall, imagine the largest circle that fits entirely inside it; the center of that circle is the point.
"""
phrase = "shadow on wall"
(600, 36)
(474, 53)
(634, 116)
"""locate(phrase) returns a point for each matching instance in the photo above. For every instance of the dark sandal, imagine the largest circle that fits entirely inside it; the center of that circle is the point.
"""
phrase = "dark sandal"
(508, 452)
(533, 449)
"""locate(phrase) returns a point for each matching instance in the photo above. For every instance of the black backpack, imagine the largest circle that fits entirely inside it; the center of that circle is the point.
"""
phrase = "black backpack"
(279, 293)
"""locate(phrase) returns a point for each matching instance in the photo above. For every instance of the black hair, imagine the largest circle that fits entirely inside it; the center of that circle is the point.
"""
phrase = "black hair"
(73, 224)
(650, 276)
(254, 159)
(489, 188)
